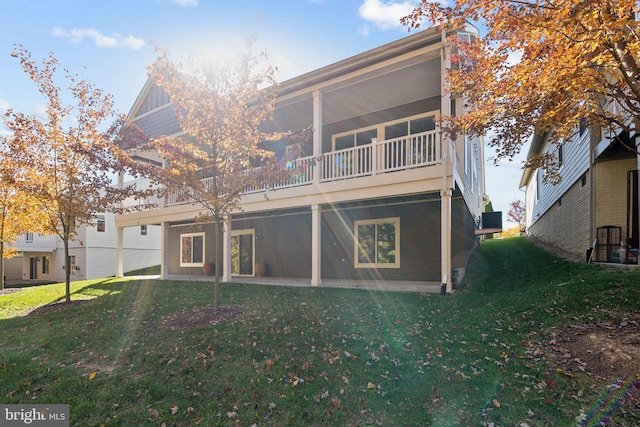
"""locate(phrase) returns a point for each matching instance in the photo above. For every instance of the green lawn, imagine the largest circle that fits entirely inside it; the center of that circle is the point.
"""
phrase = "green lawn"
(320, 357)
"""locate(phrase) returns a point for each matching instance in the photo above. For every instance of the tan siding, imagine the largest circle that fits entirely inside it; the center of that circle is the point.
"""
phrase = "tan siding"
(567, 226)
(611, 193)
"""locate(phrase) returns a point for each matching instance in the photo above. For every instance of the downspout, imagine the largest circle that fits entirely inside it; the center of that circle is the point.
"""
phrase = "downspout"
(592, 216)
(636, 125)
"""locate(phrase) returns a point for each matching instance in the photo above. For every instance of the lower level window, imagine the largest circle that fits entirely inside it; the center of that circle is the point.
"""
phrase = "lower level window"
(377, 243)
(45, 265)
(191, 250)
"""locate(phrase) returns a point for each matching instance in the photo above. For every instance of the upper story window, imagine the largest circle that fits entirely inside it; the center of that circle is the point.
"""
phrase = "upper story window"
(28, 237)
(466, 37)
(582, 126)
(354, 139)
(387, 130)
(409, 127)
(143, 230)
(560, 155)
(101, 225)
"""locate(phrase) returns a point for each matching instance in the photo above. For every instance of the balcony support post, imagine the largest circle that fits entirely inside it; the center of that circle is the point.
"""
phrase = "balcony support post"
(445, 238)
(226, 251)
(316, 246)
(119, 252)
(164, 251)
(317, 134)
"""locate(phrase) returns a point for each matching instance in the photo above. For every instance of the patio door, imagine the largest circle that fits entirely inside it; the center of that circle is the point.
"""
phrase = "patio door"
(242, 252)
(33, 268)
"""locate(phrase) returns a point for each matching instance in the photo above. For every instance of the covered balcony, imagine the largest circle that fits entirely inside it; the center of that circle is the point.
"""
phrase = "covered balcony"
(420, 150)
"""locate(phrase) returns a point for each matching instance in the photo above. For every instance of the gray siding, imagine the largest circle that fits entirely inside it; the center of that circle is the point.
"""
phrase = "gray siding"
(575, 164)
(463, 239)
(156, 98)
(284, 243)
(174, 247)
(160, 122)
(419, 242)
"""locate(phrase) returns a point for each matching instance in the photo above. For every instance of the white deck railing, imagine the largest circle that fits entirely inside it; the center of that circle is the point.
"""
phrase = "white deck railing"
(407, 152)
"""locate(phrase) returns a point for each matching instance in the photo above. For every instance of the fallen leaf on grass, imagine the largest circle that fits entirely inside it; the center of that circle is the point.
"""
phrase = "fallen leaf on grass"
(92, 375)
(336, 402)
(462, 374)
(371, 385)
(173, 409)
(560, 371)
(496, 403)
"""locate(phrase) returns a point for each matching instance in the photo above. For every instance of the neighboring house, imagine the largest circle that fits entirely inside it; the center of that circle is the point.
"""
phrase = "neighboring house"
(92, 252)
(593, 211)
(389, 198)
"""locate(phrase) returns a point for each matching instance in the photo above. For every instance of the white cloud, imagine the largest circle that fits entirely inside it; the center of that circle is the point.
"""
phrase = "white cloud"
(4, 106)
(5, 133)
(185, 3)
(385, 15)
(77, 35)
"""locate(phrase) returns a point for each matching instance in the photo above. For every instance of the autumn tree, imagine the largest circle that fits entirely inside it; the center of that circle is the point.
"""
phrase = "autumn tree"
(220, 109)
(516, 212)
(18, 214)
(542, 68)
(65, 161)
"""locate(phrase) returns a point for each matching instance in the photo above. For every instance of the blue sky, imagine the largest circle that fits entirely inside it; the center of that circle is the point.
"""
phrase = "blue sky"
(111, 42)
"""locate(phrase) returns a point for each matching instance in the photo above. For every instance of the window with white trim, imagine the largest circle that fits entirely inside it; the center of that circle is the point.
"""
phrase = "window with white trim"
(354, 139)
(143, 230)
(387, 130)
(72, 265)
(191, 250)
(377, 243)
(101, 224)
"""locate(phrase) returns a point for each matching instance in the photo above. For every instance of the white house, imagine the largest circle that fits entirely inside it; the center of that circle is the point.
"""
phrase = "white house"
(92, 252)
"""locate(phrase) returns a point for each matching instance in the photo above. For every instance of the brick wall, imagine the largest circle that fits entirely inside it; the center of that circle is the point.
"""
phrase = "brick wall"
(566, 224)
(611, 193)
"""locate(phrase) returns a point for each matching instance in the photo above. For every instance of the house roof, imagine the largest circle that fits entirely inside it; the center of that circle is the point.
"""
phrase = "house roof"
(341, 68)
(538, 142)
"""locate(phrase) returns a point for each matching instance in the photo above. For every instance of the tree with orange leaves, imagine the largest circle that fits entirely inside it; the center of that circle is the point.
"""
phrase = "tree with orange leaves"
(543, 67)
(65, 161)
(220, 110)
(18, 212)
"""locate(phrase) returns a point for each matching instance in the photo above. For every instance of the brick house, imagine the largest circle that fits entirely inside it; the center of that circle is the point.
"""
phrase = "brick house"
(593, 212)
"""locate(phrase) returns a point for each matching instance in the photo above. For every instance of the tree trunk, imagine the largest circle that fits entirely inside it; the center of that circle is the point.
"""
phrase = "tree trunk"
(67, 270)
(217, 256)
(1, 265)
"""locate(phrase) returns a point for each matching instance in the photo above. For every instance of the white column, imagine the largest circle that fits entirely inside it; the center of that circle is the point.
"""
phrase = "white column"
(445, 237)
(119, 250)
(317, 133)
(164, 251)
(226, 252)
(447, 163)
(316, 246)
